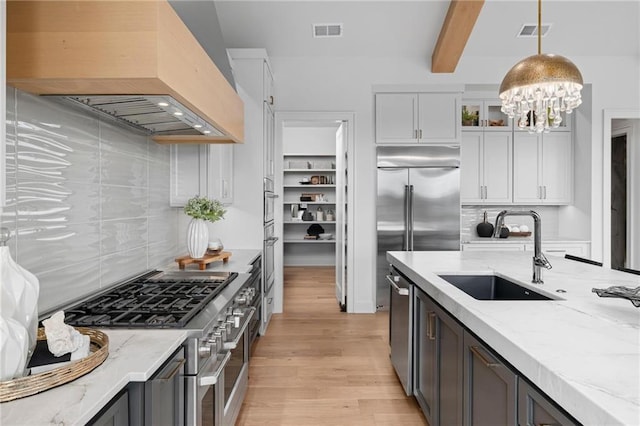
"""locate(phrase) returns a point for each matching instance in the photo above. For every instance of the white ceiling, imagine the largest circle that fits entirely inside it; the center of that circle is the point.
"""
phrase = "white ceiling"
(411, 28)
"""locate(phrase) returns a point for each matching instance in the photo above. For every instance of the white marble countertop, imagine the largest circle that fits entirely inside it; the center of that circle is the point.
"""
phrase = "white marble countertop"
(134, 355)
(582, 351)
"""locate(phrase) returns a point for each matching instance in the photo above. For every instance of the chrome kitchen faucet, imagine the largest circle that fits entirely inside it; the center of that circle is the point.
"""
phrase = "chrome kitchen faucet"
(539, 259)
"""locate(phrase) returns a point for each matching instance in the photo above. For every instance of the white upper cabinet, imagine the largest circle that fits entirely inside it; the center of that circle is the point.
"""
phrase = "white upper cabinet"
(220, 172)
(543, 168)
(486, 168)
(407, 118)
(205, 170)
(484, 114)
(252, 71)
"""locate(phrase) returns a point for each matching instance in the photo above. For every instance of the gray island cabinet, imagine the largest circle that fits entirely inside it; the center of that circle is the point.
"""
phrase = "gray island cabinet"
(565, 359)
(460, 381)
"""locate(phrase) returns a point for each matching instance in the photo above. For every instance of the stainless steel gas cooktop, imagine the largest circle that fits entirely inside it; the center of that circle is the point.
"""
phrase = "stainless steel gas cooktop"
(154, 300)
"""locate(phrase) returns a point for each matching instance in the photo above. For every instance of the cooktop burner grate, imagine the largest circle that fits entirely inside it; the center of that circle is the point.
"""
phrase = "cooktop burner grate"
(155, 300)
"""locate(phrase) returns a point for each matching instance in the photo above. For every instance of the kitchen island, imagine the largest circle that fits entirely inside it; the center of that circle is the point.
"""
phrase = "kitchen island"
(582, 351)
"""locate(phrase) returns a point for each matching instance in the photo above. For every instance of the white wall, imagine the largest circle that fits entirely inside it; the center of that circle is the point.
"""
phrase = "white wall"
(309, 140)
(345, 83)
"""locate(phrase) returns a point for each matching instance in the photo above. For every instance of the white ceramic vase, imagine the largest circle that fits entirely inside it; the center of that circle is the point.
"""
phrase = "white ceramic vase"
(197, 238)
(19, 312)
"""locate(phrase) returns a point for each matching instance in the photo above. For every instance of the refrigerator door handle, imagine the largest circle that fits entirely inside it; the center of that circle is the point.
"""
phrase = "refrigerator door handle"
(407, 206)
(410, 217)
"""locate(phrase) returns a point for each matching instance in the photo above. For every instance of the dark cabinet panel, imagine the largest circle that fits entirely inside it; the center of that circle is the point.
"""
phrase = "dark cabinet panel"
(425, 365)
(490, 387)
(536, 409)
(438, 363)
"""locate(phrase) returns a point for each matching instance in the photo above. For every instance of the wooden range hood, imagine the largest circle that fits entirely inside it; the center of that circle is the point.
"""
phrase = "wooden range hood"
(124, 49)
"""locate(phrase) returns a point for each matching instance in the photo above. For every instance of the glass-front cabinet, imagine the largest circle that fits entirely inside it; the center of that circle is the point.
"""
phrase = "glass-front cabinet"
(483, 114)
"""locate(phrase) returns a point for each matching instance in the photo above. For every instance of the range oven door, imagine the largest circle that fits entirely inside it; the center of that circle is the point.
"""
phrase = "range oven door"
(214, 396)
(204, 400)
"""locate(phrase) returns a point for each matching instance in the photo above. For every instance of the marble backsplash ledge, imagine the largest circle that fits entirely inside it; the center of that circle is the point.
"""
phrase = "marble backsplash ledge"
(87, 201)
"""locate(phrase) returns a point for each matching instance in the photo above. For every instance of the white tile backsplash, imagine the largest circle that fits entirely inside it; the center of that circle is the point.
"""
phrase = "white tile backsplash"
(87, 201)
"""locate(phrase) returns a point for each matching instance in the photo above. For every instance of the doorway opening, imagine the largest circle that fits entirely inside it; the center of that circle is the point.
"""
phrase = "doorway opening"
(619, 203)
(314, 163)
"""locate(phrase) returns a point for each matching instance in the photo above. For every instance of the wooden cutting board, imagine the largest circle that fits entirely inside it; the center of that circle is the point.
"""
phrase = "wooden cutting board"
(204, 261)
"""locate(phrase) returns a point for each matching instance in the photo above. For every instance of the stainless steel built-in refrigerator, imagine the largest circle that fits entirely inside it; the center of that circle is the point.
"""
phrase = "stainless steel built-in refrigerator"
(418, 204)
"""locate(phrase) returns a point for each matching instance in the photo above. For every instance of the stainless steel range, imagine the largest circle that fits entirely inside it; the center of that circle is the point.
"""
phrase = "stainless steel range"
(217, 308)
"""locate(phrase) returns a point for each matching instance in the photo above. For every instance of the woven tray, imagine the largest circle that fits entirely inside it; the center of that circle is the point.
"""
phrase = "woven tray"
(31, 385)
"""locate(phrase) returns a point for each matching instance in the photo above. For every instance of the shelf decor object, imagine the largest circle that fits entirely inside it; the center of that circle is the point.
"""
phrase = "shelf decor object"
(538, 88)
(202, 210)
(19, 291)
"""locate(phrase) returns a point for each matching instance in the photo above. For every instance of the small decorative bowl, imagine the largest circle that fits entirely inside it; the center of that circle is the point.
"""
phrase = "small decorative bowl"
(325, 236)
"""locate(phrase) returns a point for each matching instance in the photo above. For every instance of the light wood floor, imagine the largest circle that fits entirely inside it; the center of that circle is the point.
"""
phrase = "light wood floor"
(319, 366)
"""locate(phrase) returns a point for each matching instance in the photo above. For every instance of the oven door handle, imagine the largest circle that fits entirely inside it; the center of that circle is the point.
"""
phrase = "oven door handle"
(271, 195)
(271, 240)
(212, 379)
(234, 344)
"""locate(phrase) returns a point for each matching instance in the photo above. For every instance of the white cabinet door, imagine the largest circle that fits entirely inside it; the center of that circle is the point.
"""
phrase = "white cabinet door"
(220, 172)
(438, 117)
(485, 168)
(267, 85)
(526, 183)
(268, 141)
(478, 114)
(186, 172)
(471, 182)
(543, 168)
(557, 168)
(496, 167)
(205, 170)
(559, 249)
(396, 118)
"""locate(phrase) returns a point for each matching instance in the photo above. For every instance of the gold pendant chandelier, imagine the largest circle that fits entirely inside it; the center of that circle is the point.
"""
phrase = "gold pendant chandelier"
(537, 89)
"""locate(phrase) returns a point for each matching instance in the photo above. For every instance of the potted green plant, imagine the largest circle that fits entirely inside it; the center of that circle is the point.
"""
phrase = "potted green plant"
(469, 118)
(202, 210)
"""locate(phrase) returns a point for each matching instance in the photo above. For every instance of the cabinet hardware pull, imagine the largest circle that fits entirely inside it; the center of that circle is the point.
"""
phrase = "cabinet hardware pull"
(174, 371)
(420, 133)
(545, 192)
(484, 359)
(431, 322)
(396, 288)
(271, 100)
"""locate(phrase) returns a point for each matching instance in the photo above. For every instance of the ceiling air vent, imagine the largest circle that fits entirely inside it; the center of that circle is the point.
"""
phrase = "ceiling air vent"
(327, 30)
(531, 30)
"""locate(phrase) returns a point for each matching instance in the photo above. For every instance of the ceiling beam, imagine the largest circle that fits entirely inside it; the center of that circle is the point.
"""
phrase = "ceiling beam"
(455, 31)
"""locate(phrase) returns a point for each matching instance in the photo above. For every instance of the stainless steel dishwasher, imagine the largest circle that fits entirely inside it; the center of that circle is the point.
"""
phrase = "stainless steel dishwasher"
(401, 327)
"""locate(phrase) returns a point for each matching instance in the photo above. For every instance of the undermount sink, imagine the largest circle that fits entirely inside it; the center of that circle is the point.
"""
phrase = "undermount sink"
(492, 287)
